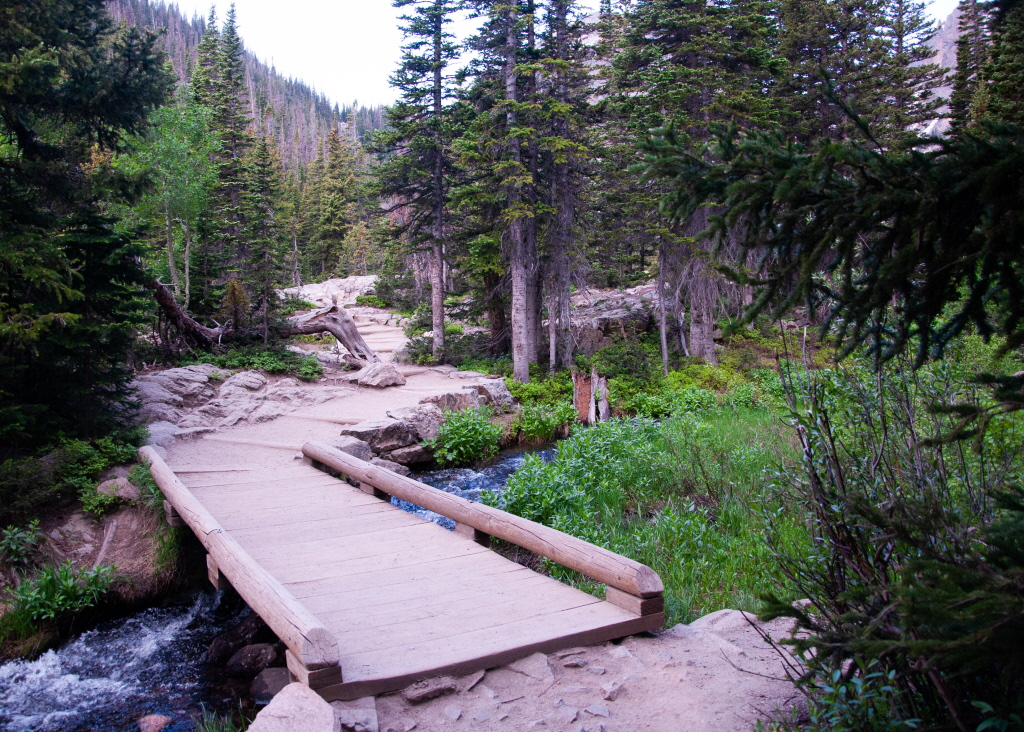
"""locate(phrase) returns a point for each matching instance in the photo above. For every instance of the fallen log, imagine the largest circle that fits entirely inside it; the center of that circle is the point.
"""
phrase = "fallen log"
(331, 319)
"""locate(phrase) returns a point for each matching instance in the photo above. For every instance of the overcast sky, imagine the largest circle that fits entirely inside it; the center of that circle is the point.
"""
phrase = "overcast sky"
(345, 48)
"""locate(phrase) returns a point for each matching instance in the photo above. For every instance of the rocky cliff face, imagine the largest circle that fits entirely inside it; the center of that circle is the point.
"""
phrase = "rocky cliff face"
(944, 44)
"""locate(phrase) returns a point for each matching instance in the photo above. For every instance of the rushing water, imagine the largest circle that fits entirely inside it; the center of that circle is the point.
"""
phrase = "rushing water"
(471, 483)
(106, 679)
(154, 662)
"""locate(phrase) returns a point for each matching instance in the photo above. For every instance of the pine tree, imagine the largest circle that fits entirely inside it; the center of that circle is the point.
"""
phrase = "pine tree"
(202, 84)
(971, 55)
(909, 77)
(261, 201)
(336, 195)
(1005, 72)
(417, 173)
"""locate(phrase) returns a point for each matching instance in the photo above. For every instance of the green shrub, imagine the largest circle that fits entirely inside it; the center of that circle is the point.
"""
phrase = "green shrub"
(58, 591)
(494, 366)
(452, 329)
(742, 395)
(18, 546)
(539, 423)
(290, 306)
(81, 465)
(310, 369)
(271, 359)
(25, 486)
(370, 301)
(866, 702)
(546, 390)
(466, 437)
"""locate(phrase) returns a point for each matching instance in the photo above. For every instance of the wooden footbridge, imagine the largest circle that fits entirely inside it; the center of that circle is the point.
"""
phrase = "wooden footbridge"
(369, 598)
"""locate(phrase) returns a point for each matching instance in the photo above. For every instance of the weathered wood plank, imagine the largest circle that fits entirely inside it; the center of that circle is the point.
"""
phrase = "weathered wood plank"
(293, 623)
(593, 561)
(634, 604)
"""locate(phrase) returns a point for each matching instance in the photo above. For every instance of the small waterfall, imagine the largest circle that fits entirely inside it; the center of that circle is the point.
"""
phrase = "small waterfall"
(150, 663)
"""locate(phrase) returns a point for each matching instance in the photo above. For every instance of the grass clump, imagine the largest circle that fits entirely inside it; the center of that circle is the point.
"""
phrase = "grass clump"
(466, 437)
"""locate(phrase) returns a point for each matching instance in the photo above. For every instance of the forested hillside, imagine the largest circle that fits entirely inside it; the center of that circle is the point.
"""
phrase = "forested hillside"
(291, 111)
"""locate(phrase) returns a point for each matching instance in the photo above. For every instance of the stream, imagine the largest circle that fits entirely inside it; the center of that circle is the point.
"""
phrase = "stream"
(154, 662)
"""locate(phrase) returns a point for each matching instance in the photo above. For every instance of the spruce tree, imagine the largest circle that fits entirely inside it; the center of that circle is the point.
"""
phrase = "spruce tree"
(1005, 72)
(907, 76)
(419, 164)
(202, 83)
(335, 207)
(971, 55)
(261, 202)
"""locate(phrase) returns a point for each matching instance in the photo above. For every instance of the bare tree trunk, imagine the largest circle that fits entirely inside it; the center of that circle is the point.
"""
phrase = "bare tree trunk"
(520, 264)
(188, 263)
(662, 318)
(437, 262)
(582, 395)
(170, 254)
(703, 294)
(532, 165)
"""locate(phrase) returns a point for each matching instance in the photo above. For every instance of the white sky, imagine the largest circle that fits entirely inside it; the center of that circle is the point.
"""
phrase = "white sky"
(344, 48)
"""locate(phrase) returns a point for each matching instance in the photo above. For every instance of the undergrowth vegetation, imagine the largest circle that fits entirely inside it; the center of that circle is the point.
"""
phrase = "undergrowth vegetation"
(466, 437)
(270, 359)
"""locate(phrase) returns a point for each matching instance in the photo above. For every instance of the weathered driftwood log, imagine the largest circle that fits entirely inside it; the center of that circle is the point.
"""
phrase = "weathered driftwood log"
(331, 319)
(304, 635)
(596, 562)
(336, 321)
(189, 329)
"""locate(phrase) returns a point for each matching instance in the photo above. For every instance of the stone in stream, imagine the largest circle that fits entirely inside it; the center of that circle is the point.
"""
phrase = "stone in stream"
(454, 401)
(412, 455)
(380, 375)
(353, 446)
(424, 419)
(296, 709)
(227, 643)
(268, 683)
(250, 660)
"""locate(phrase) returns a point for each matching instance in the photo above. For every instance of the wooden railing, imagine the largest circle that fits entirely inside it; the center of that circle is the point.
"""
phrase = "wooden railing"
(630, 585)
(310, 644)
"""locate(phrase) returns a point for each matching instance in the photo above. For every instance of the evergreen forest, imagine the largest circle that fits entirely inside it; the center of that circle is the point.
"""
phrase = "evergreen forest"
(825, 404)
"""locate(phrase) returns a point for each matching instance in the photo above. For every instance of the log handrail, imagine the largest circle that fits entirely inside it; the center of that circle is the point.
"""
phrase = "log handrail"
(593, 561)
(301, 632)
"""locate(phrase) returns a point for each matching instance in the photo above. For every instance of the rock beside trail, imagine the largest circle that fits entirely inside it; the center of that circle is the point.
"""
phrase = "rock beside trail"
(424, 419)
(381, 375)
(454, 401)
(185, 402)
(297, 708)
(412, 455)
(393, 467)
(344, 289)
(495, 393)
(429, 689)
(120, 487)
(353, 446)
(382, 435)
(358, 715)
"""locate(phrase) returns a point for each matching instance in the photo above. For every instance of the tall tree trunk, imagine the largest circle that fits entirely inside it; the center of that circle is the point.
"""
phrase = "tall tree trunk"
(437, 261)
(520, 265)
(534, 294)
(662, 316)
(188, 263)
(170, 254)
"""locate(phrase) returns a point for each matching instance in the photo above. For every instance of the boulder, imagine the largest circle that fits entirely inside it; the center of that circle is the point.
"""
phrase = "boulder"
(246, 381)
(381, 375)
(393, 467)
(166, 395)
(269, 683)
(382, 436)
(424, 419)
(120, 487)
(454, 401)
(429, 689)
(297, 708)
(227, 643)
(412, 455)
(344, 290)
(353, 446)
(495, 393)
(250, 660)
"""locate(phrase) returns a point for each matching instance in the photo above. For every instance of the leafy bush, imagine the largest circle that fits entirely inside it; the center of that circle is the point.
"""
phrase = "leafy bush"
(539, 423)
(18, 546)
(544, 390)
(291, 306)
(370, 301)
(271, 359)
(466, 437)
(142, 479)
(453, 329)
(742, 395)
(58, 591)
(493, 366)
(81, 465)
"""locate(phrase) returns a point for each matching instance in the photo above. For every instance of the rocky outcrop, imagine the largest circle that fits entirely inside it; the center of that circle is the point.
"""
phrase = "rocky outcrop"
(353, 446)
(344, 290)
(599, 315)
(424, 419)
(185, 402)
(495, 394)
(382, 435)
